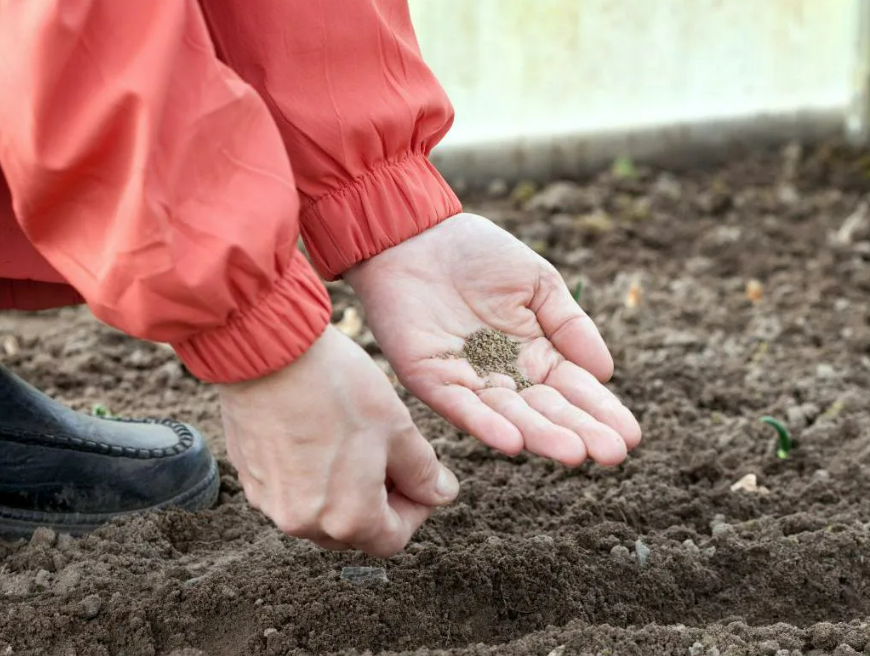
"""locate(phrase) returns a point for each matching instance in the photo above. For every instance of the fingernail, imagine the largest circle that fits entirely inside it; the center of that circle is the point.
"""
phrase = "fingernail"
(448, 485)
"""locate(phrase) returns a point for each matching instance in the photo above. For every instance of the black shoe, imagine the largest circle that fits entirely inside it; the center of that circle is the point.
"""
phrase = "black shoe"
(74, 472)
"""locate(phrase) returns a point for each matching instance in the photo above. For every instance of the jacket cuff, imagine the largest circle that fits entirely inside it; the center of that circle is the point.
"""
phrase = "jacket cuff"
(268, 336)
(394, 202)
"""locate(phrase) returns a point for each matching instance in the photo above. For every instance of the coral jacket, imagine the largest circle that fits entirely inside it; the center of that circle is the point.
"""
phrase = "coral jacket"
(163, 159)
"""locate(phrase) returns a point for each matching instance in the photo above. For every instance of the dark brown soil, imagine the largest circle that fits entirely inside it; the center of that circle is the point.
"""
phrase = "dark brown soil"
(658, 556)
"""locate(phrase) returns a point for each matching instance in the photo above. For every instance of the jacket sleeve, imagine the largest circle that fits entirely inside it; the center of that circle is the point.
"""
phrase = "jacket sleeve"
(359, 112)
(155, 181)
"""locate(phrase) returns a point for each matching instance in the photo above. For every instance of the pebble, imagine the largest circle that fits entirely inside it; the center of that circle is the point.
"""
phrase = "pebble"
(643, 553)
(543, 540)
(697, 649)
(620, 552)
(269, 631)
(43, 537)
(845, 650)
(65, 542)
(722, 529)
(795, 416)
(498, 188)
(90, 607)
(825, 371)
(691, 547)
(748, 483)
(43, 579)
(364, 575)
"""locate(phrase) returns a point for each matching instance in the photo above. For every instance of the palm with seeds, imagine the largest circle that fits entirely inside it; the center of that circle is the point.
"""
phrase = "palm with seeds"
(428, 295)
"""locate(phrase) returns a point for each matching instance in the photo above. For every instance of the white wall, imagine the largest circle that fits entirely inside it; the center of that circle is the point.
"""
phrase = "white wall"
(522, 73)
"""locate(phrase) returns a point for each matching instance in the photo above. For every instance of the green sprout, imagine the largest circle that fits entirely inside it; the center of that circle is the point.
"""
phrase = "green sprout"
(624, 169)
(99, 410)
(578, 290)
(785, 441)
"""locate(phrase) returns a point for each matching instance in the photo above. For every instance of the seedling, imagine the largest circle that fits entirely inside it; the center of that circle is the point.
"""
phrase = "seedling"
(624, 169)
(785, 441)
(578, 290)
(99, 410)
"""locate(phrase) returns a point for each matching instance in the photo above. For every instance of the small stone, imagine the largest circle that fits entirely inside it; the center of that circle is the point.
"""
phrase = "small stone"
(643, 553)
(768, 647)
(43, 579)
(498, 188)
(825, 371)
(364, 575)
(351, 323)
(691, 547)
(90, 607)
(560, 196)
(822, 475)
(558, 651)
(795, 416)
(10, 345)
(620, 552)
(709, 552)
(697, 649)
(748, 483)
(269, 631)
(258, 602)
(65, 542)
(845, 650)
(722, 529)
(493, 540)
(543, 540)
(754, 291)
(43, 537)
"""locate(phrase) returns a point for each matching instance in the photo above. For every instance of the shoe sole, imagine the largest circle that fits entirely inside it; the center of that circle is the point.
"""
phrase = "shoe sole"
(16, 523)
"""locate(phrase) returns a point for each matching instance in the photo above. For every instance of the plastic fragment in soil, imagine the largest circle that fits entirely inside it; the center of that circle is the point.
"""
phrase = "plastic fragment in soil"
(364, 575)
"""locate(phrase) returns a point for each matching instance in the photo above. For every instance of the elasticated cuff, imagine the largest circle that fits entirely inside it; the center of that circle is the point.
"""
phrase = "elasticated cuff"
(268, 336)
(392, 203)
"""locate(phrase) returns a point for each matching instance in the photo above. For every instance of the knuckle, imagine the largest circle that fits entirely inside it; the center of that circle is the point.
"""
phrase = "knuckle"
(347, 527)
(292, 523)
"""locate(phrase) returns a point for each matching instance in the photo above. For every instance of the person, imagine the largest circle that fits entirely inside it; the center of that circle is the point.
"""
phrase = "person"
(163, 161)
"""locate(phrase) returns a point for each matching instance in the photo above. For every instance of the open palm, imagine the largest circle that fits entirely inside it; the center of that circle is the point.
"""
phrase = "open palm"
(426, 296)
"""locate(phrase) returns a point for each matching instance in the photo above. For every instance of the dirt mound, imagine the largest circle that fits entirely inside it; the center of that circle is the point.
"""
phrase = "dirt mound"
(725, 296)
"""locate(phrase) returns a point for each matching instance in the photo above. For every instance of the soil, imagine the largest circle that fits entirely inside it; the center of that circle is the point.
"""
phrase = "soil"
(657, 556)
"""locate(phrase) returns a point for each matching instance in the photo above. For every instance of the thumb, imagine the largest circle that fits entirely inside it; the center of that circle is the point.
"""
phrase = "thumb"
(415, 471)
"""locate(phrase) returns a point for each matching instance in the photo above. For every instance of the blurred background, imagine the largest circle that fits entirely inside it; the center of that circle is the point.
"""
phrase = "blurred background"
(549, 88)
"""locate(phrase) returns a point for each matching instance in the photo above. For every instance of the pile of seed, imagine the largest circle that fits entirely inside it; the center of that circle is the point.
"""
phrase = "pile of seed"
(490, 351)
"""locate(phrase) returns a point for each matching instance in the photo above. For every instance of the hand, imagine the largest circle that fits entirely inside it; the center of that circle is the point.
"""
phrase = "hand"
(327, 450)
(425, 296)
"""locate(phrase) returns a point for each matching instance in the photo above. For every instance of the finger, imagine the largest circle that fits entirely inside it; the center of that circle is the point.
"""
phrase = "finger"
(413, 469)
(394, 527)
(331, 545)
(465, 410)
(541, 436)
(602, 443)
(253, 491)
(583, 390)
(570, 329)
